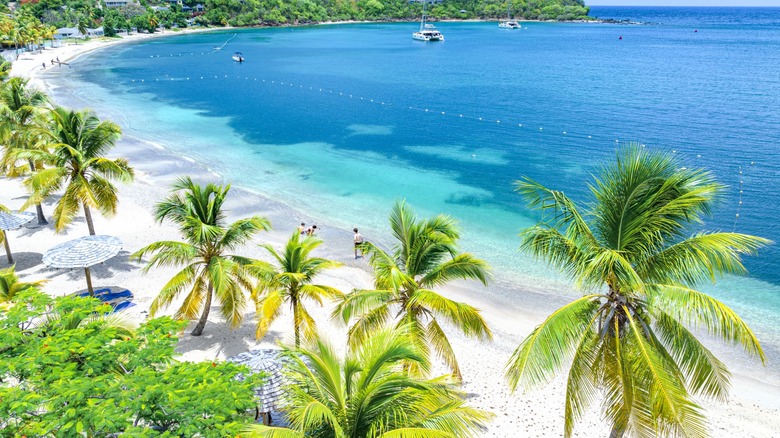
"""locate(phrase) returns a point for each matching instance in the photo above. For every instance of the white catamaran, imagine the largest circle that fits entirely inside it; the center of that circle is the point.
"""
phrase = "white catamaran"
(509, 23)
(427, 31)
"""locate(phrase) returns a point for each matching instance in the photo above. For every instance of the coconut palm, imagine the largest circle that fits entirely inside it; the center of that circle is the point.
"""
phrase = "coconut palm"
(628, 337)
(19, 107)
(367, 394)
(10, 286)
(209, 271)
(290, 282)
(425, 257)
(78, 142)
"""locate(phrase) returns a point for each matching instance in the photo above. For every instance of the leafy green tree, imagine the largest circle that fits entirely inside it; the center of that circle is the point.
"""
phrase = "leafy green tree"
(68, 370)
(290, 282)
(425, 257)
(367, 394)
(209, 271)
(20, 105)
(628, 338)
(78, 142)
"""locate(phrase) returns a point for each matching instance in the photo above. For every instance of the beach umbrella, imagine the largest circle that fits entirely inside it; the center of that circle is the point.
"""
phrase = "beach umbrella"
(12, 221)
(82, 253)
(272, 363)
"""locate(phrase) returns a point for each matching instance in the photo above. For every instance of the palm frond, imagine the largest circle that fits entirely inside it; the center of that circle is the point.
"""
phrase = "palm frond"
(699, 309)
(441, 345)
(269, 306)
(166, 253)
(462, 267)
(543, 352)
(581, 387)
(262, 431)
(701, 257)
(706, 375)
(240, 231)
(675, 413)
(368, 323)
(567, 213)
(463, 316)
(359, 302)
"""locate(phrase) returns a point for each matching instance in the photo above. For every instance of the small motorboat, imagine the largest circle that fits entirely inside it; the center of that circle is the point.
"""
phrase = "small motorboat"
(238, 57)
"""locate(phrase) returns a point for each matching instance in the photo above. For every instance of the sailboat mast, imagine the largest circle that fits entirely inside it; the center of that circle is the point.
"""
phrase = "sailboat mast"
(422, 22)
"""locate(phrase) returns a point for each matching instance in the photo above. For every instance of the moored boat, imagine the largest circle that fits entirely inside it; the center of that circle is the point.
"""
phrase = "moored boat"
(427, 32)
(509, 25)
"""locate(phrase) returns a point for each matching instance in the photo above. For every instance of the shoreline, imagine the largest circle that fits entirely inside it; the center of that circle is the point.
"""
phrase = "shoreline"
(535, 411)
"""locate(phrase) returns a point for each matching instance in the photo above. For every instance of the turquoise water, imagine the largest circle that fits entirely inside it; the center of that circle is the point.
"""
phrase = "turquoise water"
(339, 121)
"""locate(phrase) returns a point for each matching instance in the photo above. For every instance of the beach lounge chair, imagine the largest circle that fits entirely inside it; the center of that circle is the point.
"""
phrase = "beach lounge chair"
(123, 305)
(105, 294)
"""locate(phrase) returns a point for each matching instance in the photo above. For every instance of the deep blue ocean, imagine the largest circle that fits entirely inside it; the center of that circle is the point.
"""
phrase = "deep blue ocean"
(341, 120)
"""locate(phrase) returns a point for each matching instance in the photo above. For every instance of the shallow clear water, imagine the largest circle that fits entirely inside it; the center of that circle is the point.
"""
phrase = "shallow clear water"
(339, 121)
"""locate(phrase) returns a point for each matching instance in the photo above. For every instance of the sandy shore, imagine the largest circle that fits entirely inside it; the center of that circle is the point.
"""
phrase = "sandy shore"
(752, 411)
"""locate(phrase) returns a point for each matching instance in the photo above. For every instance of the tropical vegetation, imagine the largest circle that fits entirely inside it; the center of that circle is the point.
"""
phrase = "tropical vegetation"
(24, 30)
(367, 394)
(631, 340)
(34, 22)
(76, 145)
(209, 270)
(290, 281)
(10, 285)
(424, 257)
(68, 369)
(20, 108)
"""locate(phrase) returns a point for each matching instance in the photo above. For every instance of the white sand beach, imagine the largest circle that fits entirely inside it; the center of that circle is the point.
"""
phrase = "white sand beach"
(752, 411)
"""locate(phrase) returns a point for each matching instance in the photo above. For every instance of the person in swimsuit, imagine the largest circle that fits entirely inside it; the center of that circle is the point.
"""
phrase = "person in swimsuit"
(358, 239)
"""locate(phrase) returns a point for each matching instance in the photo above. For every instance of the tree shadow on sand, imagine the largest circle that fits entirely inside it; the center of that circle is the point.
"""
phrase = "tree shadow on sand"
(22, 260)
(222, 342)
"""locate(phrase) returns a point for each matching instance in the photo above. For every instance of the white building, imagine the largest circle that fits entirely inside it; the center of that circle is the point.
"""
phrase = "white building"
(73, 32)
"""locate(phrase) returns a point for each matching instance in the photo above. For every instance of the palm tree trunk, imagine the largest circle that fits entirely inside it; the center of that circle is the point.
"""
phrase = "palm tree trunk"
(88, 216)
(198, 330)
(296, 323)
(616, 432)
(38, 209)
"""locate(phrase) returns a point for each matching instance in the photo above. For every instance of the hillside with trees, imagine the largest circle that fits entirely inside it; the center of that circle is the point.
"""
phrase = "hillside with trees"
(146, 15)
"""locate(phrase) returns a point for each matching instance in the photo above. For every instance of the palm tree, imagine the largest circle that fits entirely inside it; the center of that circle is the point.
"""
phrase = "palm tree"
(290, 281)
(83, 26)
(10, 286)
(78, 141)
(5, 69)
(627, 339)
(19, 106)
(208, 271)
(367, 395)
(425, 257)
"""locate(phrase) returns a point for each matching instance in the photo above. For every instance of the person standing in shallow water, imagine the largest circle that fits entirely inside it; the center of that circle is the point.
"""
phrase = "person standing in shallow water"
(358, 239)
(302, 228)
